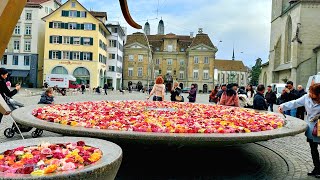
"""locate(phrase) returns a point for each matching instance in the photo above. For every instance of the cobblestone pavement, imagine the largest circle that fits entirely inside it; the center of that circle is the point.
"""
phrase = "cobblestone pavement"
(284, 158)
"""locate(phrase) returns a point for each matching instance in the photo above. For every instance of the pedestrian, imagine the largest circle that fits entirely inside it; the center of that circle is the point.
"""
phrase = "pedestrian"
(8, 84)
(47, 97)
(98, 90)
(176, 93)
(250, 93)
(311, 102)
(105, 87)
(235, 87)
(259, 103)
(158, 90)
(271, 98)
(222, 90)
(230, 97)
(4, 91)
(192, 93)
(301, 110)
(290, 94)
(83, 88)
(45, 84)
(213, 95)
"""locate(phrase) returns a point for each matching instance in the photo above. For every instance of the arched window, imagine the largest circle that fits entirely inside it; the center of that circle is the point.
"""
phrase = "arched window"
(82, 75)
(288, 40)
(59, 70)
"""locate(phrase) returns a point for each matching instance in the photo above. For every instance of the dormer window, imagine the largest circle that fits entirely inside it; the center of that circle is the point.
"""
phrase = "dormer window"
(73, 4)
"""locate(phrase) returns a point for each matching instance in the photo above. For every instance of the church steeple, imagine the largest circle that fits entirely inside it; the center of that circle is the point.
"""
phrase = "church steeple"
(233, 54)
(147, 28)
(161, 27)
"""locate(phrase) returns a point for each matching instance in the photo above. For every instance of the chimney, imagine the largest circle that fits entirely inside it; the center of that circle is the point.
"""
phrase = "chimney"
(191, 34)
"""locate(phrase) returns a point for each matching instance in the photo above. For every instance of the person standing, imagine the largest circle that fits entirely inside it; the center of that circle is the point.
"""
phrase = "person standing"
(213, 95)
(192, 94)
(83, 88)
(176, 91)
(311, 102)
(230, 97)
(259, 103)
(301, 110)
(4, 91)
(105, 87)
(290, 94)
(158, 90)
(271, 98)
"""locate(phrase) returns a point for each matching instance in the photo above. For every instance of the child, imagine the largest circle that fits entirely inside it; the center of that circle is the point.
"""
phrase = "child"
(47, 97)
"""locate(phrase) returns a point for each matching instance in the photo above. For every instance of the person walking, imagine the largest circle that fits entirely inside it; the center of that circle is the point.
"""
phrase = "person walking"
(4, 91)
(213, 95)
(176, 93)
(290, 94)
(259, 103)
(83, 88)
(192, 94)
(230, 97)
(311, 102)
(271, 98)
(301, 110)
(105, 87)
(158, 90)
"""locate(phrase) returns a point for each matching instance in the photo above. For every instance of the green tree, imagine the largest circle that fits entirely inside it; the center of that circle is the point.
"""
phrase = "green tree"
(255, 72)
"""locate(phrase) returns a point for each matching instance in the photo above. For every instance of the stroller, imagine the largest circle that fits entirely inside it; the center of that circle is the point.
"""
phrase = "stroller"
(9, 132)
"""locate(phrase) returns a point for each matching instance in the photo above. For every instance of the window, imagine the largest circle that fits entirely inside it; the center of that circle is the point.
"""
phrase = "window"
(76, 55)
(4, 60)
(72, 26)
(17, 29)
(28, 15)
(28, 29)
(169, 61)
(170, 48)
(66, 40)
(66, 55)
(46, 9)
(195, 74)
(16, 45)
(157, 49)
(205, 74)
(181, 75)
(55, 39)
(111, 68)
(27, 46)
(83, 14)
(86, 41)
(87, 26)
(206, 60)
(157, 61)
(139, 71)
(131, 57)
(182, 50)
(55, 54)
(140, 58)
(181, 62)
(73, 4)
(112, 43)
(169, 72)
(26, 60)
(156, 73)
(57, 25)
(196, 60)
(76, 40)
(242, 76)
(115, 30)
(130, 72)
(112, 56)
(72, 13)
(87, 56)
(15, 60)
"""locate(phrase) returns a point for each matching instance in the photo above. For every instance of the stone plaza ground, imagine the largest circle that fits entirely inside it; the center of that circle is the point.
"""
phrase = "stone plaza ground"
(284, 158)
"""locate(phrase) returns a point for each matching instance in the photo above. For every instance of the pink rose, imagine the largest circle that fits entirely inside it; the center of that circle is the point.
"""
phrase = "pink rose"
(68, 166)
(58, 155)
(11, 170)
(46, 151)
(21, 148)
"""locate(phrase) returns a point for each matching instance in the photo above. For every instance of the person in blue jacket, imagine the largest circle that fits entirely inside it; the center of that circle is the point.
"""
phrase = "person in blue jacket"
(47, 97)
(311, 102)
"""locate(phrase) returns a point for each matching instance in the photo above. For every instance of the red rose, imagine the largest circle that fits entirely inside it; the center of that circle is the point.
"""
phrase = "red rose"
(58, 155)
(7, 152)
(81, 143)
(25, 170)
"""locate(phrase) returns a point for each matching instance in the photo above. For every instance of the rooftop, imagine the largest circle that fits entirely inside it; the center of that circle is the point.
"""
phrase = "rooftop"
(229, 65)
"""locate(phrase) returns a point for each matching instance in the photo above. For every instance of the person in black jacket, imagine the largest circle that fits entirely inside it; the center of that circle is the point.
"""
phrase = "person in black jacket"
(290, 94)
(47, 97)
(176, 91)
(83, 88)
(259, 102)
(301, 110)
(105, 87)
(271, 98)
(4, 91)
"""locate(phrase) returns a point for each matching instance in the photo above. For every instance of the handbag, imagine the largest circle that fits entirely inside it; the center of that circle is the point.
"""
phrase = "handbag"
(178, 98)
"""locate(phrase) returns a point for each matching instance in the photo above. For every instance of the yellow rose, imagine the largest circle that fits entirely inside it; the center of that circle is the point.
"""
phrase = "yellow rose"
(74, 123)
(37, 173)
(1, 157)
(95, 157)
(50, 169)
(27, 156)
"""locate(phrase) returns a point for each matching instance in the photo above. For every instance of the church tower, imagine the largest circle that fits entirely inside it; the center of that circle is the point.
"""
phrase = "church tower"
(147, 28)
(161, 27)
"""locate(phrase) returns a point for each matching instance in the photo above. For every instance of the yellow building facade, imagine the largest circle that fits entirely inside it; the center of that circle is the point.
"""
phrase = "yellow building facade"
(76, 44)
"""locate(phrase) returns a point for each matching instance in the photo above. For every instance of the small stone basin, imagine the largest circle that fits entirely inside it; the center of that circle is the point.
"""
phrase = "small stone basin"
(105, 168)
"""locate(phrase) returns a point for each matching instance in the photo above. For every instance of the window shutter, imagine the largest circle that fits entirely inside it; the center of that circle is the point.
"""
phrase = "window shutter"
(91, 58)
(78, 13)
(81, 55)
(85, 14)
(62, 13)
(50, 39)
(71, 40)
(81, 40)
(78, 26)
(60, 39)
(71, 55)
(66, 25)
(62, 25)
(50, 54)
(50, 24)
(91, 41)
(59, 54)
(93, 27)
(82, 26)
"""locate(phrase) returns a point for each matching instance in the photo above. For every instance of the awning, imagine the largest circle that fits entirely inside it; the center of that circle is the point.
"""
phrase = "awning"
(16, 73)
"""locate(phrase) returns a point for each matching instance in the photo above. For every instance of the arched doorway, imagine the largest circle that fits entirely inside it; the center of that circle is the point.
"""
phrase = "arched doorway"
(82, 75)
(59, 70)
(205, 88)
(181, 85)
(265, 79)
(101, 76)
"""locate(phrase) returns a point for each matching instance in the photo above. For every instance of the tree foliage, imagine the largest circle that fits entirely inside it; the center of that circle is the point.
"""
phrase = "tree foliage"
(255, 72)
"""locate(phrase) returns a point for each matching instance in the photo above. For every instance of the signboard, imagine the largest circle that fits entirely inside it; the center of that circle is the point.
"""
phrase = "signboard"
(57, 79)
(70, 63)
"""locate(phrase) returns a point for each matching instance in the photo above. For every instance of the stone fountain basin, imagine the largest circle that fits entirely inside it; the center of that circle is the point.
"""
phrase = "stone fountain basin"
(293, 126)
(106, 168)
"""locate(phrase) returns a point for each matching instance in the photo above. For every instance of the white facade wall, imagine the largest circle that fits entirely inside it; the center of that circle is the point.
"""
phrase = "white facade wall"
(241, 78)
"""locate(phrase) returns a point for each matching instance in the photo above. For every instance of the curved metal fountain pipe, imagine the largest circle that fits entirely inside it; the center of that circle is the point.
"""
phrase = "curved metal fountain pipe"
(127, 16)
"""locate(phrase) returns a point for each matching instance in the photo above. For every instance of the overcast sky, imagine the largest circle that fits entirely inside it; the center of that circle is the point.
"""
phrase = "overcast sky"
(244, 23)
